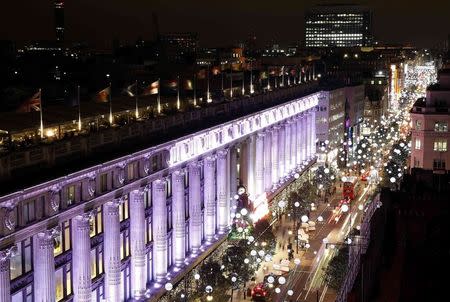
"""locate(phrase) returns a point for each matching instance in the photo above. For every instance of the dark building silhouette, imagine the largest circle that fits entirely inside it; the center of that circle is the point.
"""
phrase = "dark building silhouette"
(59, 20)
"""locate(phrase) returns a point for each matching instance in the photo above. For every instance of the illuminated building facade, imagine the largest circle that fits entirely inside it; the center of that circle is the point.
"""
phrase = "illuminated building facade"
(122, 229)
(179, 46)
(59, 20)
(430, 118)
(338, 26)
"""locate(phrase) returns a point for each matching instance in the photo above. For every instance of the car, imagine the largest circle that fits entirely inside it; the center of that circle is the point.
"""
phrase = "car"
(260, 292)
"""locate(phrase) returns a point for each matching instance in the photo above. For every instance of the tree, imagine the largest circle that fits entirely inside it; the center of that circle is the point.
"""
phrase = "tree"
(337, 268)
(264, 236)
(234, 263)
(211, 274)
(324, 178)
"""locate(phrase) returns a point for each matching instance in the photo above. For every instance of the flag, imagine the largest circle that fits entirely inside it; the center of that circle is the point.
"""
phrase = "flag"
(201, 74)
(188, 85)
(131, 89)
(153, 88)
(32, 104)
(263, 75)
(103, 95)
(215, 70)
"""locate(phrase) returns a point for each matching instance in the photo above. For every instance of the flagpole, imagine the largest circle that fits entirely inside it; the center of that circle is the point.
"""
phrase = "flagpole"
(137, 106)
(110, 105)
(221, 73)
(178, 92)
(159, 97)
(243, 82)
(79, 110)
(283, 76)
(195, 89)
(251, 77)
(40, 114)
(208, 95)
(231, 81)
(268, 79)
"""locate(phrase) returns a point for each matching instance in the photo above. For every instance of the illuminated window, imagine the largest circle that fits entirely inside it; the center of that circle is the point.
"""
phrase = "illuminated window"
(124, 244)
(29, 211)
(439, 164)
(23, 295)
(148, 230)
(418, 144)
(62, 242)
(63, 282)
(95, 223)
(440, 145)
(418, 125)
(96, 261)
(441, 126)
(132, 171)
(22, 261)
(123, 209)
(70, 194)
(148, 198)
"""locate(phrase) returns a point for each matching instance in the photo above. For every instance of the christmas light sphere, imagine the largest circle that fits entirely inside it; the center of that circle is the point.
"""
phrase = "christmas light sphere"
(326, 170)
(253, 253)
(244, 211)
(296, 175)
(360, 207)
(196, 276)
(307, 245)
(392, 179)
(168, 286)
(277, 290)
(268, 258)
(251, 238)
(320, 219)
(344, 208)
(246, 261)
(290, 292)
(296, 204)
(282, 280)
(261, 253)
(270, 279)
(304, 218)
(297, 261)
(233, 279)
(281, 203)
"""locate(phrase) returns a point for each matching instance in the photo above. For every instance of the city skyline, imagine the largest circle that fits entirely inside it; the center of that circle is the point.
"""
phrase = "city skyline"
(104, 21)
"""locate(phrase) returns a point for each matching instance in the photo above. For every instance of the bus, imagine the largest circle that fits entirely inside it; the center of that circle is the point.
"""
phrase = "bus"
(351, 187)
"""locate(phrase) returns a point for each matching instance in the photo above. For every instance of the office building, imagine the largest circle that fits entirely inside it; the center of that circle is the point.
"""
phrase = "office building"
(59, 20)
(338, 26)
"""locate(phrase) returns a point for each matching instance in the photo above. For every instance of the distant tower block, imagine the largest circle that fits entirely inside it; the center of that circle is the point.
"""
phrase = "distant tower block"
(59, 20)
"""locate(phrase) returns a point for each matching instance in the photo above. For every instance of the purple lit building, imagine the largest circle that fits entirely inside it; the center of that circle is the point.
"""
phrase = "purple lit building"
(122, 229)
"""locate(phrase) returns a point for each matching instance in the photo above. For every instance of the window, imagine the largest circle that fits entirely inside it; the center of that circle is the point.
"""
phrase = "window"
(418, 125)
(23, 295)
(97, 294)
(95, 222)
(441, 126)
(440, 145)
(132, 171)
(148, 198)
(439, 164)
(123, 209)
(62, 242)
(103, 182)
(63, 281)
(168, 187)
(148, 230)
(169, 217)
(21, 262)
(418, 144)
(126, 284)
(124, 244)
(96, 261)
(149, 266)
(70, 194)
(29, 211)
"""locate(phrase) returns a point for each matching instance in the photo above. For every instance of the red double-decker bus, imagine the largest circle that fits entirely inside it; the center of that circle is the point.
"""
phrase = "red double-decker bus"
(351, 188)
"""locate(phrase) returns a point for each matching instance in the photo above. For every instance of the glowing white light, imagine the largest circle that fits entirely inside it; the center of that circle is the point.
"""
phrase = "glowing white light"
(270, 279)
(297, 261)
(320, 219)
(282, 280)
(168, 286)
(277, 290)
(344, 208)
(392, 179)
(304, 218)
(244, 211)
(297, 204)
(246, 261)
(290, 292)
(196, 276)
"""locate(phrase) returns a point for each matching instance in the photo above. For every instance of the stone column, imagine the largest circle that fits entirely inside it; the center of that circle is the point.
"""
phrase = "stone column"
(137, 241)
(293, 144)
(275, 156)
(159, 224)
(313, 132)
(250, 151)
(81, 260)
(267, 161)
(222, 197)
(195, 210)
(299, 140)
(111, 250)
(44, 267)
(178, 218)
(308, 136)
(304, 136)
(259, 165)
(287, 147)
(233, 178)
(209, 190)
(5, 286)
(281, 152)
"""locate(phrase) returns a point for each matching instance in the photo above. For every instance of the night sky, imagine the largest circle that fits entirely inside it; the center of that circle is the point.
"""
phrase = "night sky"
(424, 23)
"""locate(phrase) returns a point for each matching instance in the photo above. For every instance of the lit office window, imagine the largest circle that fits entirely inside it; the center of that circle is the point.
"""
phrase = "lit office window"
(440, 145)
